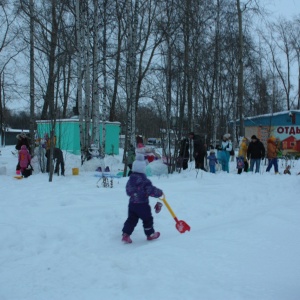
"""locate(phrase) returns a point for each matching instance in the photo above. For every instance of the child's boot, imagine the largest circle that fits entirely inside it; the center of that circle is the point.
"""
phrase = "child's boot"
(153, 236)
(126, 239)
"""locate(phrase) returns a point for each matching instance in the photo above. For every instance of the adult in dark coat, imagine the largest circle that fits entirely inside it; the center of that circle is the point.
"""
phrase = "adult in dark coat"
(59, 161)
(199, 150)
(22, 139)
(184, 153)
(256, 152)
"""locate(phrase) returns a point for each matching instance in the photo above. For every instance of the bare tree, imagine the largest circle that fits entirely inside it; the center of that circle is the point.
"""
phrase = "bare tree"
(279, 44)
(296, 47)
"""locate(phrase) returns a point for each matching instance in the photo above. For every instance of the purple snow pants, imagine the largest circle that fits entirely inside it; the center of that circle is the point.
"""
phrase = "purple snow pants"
(138, 211)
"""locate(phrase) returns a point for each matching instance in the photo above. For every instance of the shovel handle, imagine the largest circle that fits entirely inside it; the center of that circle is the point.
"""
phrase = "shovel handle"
(168, 207)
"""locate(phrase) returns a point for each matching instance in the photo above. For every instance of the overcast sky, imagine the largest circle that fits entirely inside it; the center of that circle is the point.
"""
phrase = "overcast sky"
(286, 8)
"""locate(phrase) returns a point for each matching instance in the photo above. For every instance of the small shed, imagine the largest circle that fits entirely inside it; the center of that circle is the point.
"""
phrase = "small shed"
(285, 126)
(8, 136)
(68, 134)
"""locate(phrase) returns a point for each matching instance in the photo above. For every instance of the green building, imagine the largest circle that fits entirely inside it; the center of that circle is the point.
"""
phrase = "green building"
(68, 135)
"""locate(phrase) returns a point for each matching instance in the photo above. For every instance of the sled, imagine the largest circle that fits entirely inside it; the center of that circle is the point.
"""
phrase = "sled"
(180, 225)
(18, 177)
(107, 175)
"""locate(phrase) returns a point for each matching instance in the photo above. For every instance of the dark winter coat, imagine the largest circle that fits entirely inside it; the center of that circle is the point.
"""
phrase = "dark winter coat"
(184, 148)
(139, 188)
(199, 147)
(59, 158)
(22, 141)
(256, 150)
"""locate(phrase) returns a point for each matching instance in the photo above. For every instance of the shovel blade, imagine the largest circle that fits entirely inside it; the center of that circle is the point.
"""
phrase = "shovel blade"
(182, 227)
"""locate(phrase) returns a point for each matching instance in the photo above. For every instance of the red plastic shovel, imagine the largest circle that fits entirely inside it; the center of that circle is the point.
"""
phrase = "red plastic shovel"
(181, 226)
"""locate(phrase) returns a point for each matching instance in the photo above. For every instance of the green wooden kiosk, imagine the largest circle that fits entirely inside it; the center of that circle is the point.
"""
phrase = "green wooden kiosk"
(68, 136)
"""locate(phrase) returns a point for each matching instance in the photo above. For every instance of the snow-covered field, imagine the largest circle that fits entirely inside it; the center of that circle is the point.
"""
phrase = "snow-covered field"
(61, 240)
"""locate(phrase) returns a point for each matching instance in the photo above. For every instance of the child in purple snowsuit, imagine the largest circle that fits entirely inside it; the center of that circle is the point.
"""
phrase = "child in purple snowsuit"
(139, 188)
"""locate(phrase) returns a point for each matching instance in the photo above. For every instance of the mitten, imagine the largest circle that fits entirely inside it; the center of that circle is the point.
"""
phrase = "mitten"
(158, 207)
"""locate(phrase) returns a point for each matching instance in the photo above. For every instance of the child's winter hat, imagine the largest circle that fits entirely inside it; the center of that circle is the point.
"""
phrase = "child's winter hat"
(23, 147)
(139, 165)
(226, 136)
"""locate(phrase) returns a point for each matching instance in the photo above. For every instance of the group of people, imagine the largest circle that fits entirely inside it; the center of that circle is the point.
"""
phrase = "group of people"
(255, 151)
(200, 153)
(251, 153)
(24, 157)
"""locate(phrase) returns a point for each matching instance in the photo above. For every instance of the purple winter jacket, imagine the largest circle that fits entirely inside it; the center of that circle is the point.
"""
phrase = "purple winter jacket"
(139, 188)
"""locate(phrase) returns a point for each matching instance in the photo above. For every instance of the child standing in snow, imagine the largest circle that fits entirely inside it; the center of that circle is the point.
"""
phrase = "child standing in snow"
(212, 161)
(24, 158)
(139, 188)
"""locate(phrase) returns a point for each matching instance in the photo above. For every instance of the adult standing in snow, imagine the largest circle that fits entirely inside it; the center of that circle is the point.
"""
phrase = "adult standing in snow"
(243, 153)
(139, 188)
(22, 139)
(199, 150)
(184, 153)
(272, 153)
(256, 152)
(224, 152)
(58, 158)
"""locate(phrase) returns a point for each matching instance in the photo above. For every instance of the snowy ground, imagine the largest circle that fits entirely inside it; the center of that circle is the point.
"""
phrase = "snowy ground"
(62, 240)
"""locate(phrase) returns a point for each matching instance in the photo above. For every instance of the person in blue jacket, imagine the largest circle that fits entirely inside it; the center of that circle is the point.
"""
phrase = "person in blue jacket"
(224, 152)
(139, 188)
(212, 161)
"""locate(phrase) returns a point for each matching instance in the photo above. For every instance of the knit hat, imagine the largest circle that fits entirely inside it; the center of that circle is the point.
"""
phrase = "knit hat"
(253, 137)
(226, 136)
(139, 165)
(21, 136)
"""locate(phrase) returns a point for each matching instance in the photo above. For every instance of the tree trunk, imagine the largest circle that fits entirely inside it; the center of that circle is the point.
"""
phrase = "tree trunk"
(32, 114)
(240, 72)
